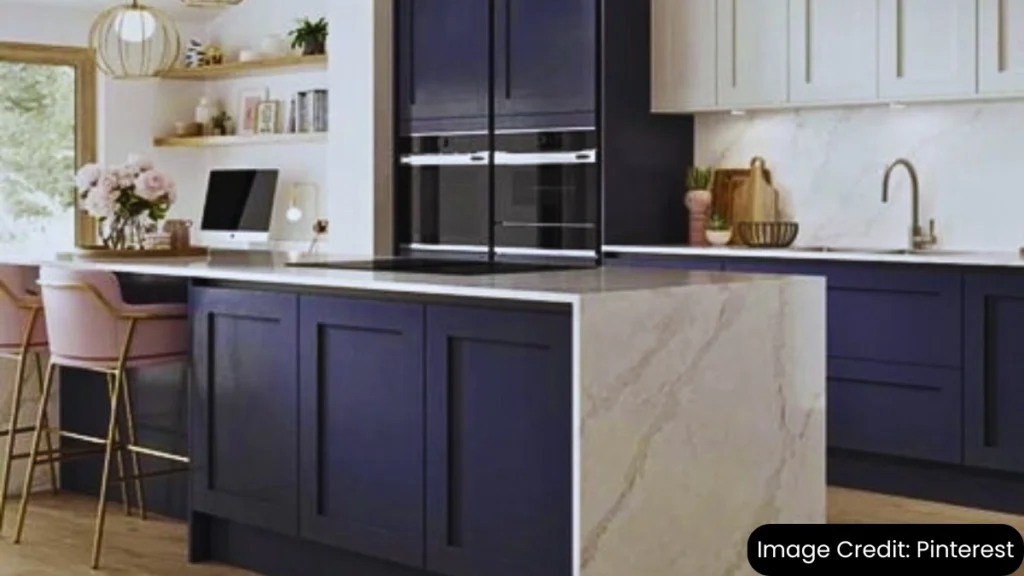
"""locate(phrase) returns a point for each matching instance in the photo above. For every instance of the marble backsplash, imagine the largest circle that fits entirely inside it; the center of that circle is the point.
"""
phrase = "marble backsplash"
(828, 165)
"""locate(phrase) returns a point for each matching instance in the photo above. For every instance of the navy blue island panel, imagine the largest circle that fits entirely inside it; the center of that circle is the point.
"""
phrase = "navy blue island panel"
(499, 442)
(361, 418)
(243, 433)
(395, 436)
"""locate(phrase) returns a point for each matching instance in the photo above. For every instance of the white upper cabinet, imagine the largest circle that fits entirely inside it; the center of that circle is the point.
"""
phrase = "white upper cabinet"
(833, 50)
(683, 74)
(753, 52)
(1001, 46)
(927, 48)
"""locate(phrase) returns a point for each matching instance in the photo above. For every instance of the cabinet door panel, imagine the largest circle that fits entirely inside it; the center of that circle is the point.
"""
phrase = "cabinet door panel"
(894, 409)
(833, 50)
(994, 372)
(361, 446)
(927, 48)
(1001, 47)
(752, 47)
(244, 402)
(547, 57)
(499, 442)
(444, 65)
(684, 74)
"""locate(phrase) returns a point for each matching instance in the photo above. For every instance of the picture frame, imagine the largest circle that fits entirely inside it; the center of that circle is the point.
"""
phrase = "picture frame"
(267, 114)
(248, 110)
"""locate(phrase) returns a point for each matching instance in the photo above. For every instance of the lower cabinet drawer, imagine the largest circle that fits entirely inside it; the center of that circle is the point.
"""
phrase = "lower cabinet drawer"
(896, 410)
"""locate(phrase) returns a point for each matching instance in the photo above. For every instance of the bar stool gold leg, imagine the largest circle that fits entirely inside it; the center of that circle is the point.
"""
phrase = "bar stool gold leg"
(101, 514)
(140, 495)
(26, 488)
(12, 435)
(120, 453)
(46, 426)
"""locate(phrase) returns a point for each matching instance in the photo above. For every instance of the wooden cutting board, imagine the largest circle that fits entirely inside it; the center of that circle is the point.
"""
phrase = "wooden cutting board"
(727, 181)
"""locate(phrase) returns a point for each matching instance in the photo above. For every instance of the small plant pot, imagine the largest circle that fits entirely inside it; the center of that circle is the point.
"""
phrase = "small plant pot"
(718, 237)
(313, 48)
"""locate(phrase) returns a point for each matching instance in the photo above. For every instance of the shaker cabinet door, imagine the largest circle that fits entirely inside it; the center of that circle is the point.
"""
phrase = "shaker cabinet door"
(244, 407)
(361, 409)
(752, 52)
(833, 51)
(499, 442)
(443, 65)
(927, 48)
(993, 371)
(546, 65)
(683, 68)
(1000, 47)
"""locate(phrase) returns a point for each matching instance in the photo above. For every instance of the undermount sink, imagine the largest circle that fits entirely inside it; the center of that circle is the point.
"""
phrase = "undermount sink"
(894, 251)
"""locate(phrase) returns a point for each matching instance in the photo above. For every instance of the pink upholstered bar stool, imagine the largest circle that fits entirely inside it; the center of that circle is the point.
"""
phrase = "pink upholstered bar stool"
(92, 328)
(22, 339)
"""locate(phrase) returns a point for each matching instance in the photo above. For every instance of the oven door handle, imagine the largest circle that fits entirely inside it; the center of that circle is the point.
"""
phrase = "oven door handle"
(472, 159)
(540, 158)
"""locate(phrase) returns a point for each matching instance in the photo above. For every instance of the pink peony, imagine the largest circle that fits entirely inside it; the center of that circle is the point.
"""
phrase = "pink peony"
(99, 202)
(153, 186)
(87, 177)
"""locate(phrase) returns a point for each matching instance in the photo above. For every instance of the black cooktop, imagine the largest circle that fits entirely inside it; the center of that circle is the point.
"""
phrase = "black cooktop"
(439, 266)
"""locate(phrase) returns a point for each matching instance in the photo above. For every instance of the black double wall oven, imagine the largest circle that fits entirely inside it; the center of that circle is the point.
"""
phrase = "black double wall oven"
(544, 191)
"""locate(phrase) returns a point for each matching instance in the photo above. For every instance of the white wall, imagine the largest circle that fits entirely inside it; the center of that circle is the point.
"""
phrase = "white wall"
(359, 175)
(829, 166)
(246, 26)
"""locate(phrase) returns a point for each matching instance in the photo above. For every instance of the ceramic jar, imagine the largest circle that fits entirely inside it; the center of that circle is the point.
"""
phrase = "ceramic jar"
(698, 203)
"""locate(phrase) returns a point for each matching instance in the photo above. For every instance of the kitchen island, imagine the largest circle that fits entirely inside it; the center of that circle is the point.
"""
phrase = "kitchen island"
(595, 422)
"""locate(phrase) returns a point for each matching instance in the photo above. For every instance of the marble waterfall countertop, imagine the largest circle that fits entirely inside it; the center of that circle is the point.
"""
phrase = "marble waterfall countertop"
(560, 286)
(937, 256)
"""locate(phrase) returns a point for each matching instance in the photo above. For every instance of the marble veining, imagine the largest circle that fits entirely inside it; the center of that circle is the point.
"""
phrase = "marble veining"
(683, 449)
(828, 164)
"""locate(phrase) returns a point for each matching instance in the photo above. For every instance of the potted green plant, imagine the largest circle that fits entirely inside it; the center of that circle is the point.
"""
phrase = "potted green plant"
(311, 36)
(719, 233)
(698, 201)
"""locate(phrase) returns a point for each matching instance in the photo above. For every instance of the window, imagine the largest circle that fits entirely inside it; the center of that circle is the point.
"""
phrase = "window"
(47, 130)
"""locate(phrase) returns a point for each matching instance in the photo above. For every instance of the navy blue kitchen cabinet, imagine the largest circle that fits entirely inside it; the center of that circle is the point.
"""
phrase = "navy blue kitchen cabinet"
(994, 370)
(443, 65)
(546, 69)
(499, 442)
(361, 414)
(243, 434)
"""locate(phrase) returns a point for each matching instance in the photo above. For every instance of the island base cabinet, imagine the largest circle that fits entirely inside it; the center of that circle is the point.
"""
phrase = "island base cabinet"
(499, 442)
(244, 397)
(994, 372)
(361, 415)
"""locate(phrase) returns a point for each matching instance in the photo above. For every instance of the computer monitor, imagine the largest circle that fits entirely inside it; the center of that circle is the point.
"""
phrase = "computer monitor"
(239, 206)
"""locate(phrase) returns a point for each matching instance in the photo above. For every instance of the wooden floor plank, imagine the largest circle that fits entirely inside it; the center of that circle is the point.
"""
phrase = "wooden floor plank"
(59, 535)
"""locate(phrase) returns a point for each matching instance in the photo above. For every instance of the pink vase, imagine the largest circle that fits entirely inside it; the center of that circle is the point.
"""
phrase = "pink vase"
(698, 203)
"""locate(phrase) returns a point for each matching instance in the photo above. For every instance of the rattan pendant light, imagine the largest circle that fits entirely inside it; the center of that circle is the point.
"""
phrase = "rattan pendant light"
(134, 41)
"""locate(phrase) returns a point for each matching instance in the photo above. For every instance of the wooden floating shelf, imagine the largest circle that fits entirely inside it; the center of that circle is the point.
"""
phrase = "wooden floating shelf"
(265, 67)
(258, 139)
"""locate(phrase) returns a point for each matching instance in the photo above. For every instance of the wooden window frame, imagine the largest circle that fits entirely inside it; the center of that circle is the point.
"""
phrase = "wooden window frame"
(83, 60)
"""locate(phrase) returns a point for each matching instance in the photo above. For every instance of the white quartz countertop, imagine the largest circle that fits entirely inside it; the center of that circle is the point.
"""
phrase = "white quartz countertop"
(936, 257)
(270, 268)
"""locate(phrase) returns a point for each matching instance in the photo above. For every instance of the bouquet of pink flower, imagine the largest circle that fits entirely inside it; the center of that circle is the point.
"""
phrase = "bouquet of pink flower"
(126, 199)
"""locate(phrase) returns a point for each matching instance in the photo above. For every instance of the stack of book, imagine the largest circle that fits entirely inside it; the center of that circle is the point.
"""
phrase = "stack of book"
(308, 112)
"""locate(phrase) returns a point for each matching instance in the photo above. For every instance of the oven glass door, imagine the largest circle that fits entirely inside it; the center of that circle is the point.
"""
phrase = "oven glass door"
(546, 192)
(446, 180)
